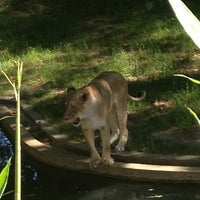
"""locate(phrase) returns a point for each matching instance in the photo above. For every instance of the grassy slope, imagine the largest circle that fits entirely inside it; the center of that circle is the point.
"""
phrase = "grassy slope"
(65, 43)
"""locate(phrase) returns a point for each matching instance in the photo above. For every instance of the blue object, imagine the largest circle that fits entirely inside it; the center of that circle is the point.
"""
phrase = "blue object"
(6, 149)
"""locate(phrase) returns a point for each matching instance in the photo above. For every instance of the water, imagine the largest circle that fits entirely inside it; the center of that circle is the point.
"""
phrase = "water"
(40, 182)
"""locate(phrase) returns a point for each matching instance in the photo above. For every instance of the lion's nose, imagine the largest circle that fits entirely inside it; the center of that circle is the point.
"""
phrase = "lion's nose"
(66, 118)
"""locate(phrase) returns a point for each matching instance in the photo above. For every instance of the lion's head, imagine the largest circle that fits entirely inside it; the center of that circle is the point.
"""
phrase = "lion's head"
(76, 104)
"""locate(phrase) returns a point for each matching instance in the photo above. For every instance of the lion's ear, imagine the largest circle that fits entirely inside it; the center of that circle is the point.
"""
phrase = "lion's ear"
(83, 97)
(70, 89)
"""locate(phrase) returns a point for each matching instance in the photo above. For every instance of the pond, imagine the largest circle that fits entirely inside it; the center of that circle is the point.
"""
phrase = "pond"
(41, 182)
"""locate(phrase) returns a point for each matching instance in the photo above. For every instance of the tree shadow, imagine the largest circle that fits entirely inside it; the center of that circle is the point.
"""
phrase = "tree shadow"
(157, 88)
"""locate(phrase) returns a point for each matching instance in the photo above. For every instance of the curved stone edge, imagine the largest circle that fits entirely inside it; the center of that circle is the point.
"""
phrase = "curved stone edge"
(127, 171)
(130, 171)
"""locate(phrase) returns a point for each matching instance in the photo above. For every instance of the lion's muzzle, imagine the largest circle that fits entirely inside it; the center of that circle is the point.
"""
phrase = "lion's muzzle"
(77, 122)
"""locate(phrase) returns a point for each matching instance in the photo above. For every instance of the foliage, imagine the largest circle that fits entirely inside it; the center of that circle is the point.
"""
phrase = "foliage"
(196, 82)
(192, 26)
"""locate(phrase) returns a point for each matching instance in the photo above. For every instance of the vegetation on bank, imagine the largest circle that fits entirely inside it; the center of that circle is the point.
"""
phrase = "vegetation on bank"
(64, 43)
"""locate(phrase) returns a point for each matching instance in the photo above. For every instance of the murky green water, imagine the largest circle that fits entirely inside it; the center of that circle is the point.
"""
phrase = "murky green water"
(40, 182)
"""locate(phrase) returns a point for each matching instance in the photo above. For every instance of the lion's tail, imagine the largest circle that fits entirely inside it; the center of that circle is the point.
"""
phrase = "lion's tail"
(137, 99)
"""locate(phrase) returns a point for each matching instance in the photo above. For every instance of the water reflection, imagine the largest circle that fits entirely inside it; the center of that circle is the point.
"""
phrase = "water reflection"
(139, 192)
(55, 188)
(44, 184)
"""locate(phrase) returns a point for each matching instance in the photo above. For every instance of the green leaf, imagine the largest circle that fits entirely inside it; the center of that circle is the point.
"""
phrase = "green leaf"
(5, 117)
(191, 79)
(4, 177)
(194, 115)
(187, 19)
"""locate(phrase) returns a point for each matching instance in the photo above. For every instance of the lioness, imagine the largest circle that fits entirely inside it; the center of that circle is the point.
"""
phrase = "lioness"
(101, 105)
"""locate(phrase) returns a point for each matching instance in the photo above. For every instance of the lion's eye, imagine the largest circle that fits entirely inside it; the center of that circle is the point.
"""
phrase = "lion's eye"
(72, 107)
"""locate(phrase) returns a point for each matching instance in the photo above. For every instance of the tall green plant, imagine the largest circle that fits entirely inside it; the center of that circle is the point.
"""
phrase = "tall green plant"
(17, 89)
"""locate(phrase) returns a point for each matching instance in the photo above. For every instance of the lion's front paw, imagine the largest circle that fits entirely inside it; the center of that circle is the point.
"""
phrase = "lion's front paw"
(107, 160)
(94, 162)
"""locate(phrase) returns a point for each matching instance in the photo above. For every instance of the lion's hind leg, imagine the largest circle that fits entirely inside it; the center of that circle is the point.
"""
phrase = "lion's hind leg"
(122, 119)
(114, 136)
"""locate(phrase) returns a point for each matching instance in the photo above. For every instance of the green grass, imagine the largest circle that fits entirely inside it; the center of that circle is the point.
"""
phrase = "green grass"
(66, 43)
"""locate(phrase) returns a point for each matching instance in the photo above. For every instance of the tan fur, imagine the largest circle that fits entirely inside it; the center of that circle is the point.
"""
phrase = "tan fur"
(101, 105)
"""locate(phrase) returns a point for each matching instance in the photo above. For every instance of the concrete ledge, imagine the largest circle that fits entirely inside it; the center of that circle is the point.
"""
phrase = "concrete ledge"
(70, 155)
